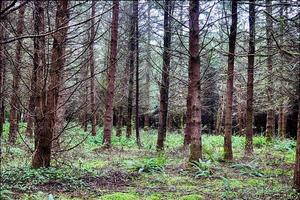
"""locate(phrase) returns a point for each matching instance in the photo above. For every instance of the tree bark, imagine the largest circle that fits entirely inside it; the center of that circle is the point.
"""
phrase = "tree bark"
(148, 68)
(44, 134)
(137, 92)
(251, 57)
(119, 121)
(270, 126)
(108, 116)
(131, 72)
(92, 70)
(60, 115)
(230, 75)
(14, 101)
(2, 70)
(193, 98)
(164, 86)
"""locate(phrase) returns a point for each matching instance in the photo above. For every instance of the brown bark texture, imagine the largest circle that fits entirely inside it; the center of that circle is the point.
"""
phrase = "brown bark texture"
(194, 120)
(250, 79)
(230, 75)
(92, 70)
(42, 153)
(270, 126)
(14, 101)
(164, 86)
(133, 21)
(108, 116)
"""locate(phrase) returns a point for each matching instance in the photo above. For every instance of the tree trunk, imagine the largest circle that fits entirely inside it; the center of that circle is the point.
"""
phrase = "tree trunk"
(164, 86)
(46, 123)
(137, 90)
(148, 68)
(131, 72)
(229, 92)
(119, 122)
(92, 69)
(251, 57)
(194, 120)
(108, 116)
(270, 126)
(2, 69)
(60, 115)
(14, 101)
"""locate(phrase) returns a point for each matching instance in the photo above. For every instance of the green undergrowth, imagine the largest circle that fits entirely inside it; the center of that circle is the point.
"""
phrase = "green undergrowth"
(127, 172)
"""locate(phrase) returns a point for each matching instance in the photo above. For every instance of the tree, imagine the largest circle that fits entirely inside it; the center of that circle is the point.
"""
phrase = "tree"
(14, 101)
(193, 98)
(108, 116)
(164, 86)
(249, 107)
(137, 130)
(133, 21)
(92, 70)
(229, 87)
(2, 70)
(146, 115)
(270, 126)
(42, 154)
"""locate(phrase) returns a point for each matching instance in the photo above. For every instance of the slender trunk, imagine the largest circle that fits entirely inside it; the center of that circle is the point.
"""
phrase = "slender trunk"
(164, 86)
(14, 101)
(108, 116)
(194, 122)
(137, 90)
(44, 134)
(297, 159)
(92, 69)
(229, 92)
(240, 114)
(270, 126)
(119, 121)
(131, 72)
(148, 68)
(251, 57)
(60, 116)
(2, 68)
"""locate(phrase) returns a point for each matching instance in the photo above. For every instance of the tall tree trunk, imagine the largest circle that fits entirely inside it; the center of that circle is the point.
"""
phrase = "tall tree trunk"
(2, 68)
(39, 62)
(119, 121)
(270, 126)
(148, 68)
(229, 92)
(164, 86)
(92, 69)
(137, 92)
(251, 57)
(194, 120)
(108, 116)
(297, 162)
(131, 72)
(44, 134)
(14, 101)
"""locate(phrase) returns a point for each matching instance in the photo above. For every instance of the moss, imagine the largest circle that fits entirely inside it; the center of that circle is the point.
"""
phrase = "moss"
(120, 196)
(192, 197)
(94, 164)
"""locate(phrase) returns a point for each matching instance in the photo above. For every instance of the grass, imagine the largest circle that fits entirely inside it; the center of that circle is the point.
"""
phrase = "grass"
(127, 172)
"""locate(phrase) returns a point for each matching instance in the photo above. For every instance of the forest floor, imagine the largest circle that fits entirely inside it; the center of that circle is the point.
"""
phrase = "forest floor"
(126, 172)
